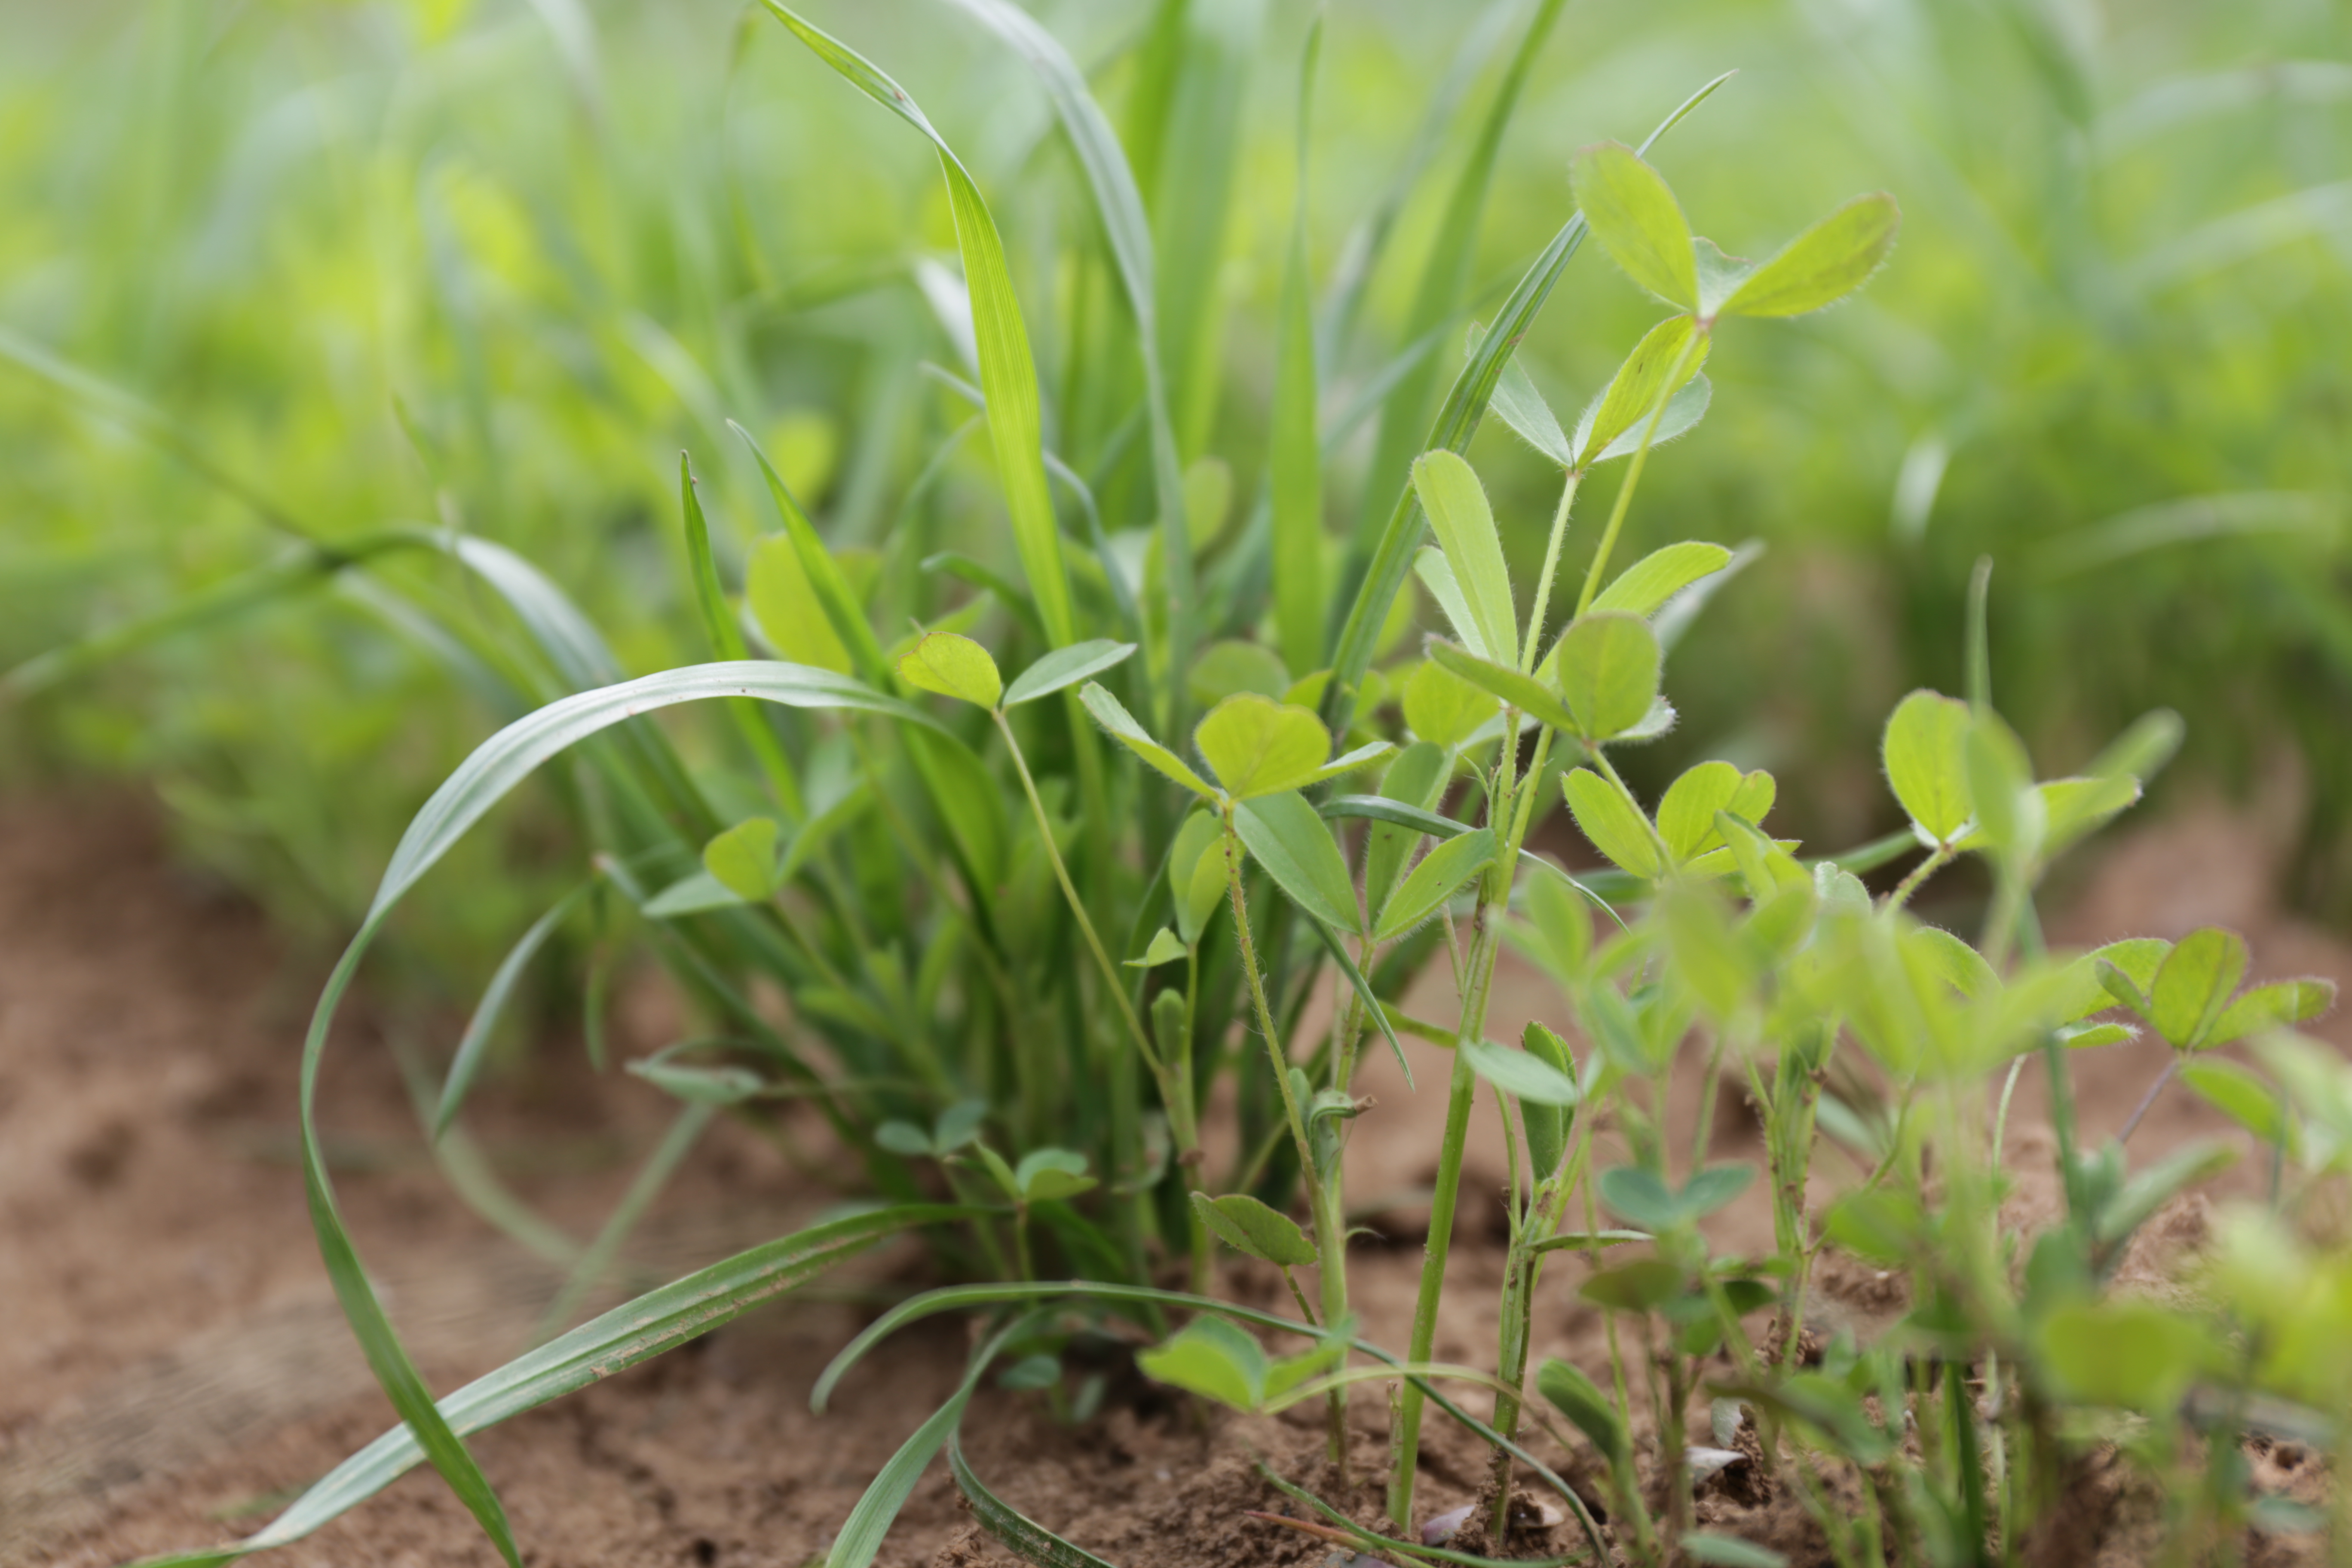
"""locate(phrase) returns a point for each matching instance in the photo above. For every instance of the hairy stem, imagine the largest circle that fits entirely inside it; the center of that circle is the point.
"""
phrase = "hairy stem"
(1634, 474)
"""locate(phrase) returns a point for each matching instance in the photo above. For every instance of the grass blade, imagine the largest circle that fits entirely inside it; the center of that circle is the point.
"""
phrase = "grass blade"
(1008, 373)
(1443, 278)
(656, 1321)
(1295, 461)
(1119, 203)
(1016, 1531)
(503, 761)
(475, 1043)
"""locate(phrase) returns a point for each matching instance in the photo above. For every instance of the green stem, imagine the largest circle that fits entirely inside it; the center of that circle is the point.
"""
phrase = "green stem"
(1551, 569)
(1494, 891)
(1112, 981)
(1331, 1224)
(1634, 472)
(1919, 873)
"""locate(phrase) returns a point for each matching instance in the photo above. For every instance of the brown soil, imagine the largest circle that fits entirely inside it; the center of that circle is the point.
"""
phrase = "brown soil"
(173, 1367)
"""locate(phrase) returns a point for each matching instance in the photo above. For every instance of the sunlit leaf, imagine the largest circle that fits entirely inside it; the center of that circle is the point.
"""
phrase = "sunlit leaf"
(1257, 746)
(1123, 729)
(1658, 576)
(1064, 666)
(2194, 983)
(1624, 407)
(1164, 948)
(1465, 525)
(1504, 683)
(1210, 1357)
(2280, 1004)
(1823, 265)
(1612, 822)
(1637, 220)
(1520, 1075)
(1291, 840)
(1431, 883)
(1925, 753)
(953, 667)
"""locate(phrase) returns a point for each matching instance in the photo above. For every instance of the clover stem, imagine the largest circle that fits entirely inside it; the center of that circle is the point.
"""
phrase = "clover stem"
(1919, 873)
(1323, 1192)
(1634, 472)
(2131, 1124)
(1111, 980)
(1461, 1089)
(1551, 569)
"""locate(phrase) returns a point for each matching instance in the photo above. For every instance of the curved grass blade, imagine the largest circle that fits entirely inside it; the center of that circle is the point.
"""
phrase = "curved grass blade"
(656, 1321)
(495, 768)
(1008, 373)
(505, 759)
(475, 1042)
(1014, 1531)
(1456, 423)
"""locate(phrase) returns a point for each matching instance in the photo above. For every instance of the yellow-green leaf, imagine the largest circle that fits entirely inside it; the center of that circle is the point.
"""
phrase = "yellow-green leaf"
(1637, 220)
(954, 666)
(1823, 265)
(1443, 708)
(743, 858)
(1926, 754)
(1609, 672)
(1258, 746)
(1658, 576)
(1613, 823)
(1465, 525)
(1123, 729)
(1634, 392)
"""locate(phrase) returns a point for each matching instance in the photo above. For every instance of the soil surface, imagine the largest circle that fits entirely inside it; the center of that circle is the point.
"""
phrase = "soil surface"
(173, 1367)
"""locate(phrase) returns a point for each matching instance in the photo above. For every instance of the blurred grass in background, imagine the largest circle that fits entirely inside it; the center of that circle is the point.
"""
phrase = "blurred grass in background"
(490, 265)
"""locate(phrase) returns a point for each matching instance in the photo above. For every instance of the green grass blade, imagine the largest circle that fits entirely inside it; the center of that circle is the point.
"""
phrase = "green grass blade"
(1366, 244)
(503, 761)
(1444, 276)
(302, 569)
(1294, 458)
(595, 1263)
(1016, 1531)
(1118, 204)
(656, 1321)
(1456, 423)
(475, 1042)
(379, 1342)
(825, 575)
(1008, 373)
(726, 634)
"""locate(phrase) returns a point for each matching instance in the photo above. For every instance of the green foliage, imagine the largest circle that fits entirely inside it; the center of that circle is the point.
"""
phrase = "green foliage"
(1144, 536)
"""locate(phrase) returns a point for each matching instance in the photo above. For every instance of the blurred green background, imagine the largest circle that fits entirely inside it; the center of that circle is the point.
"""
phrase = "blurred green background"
(491, 263)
